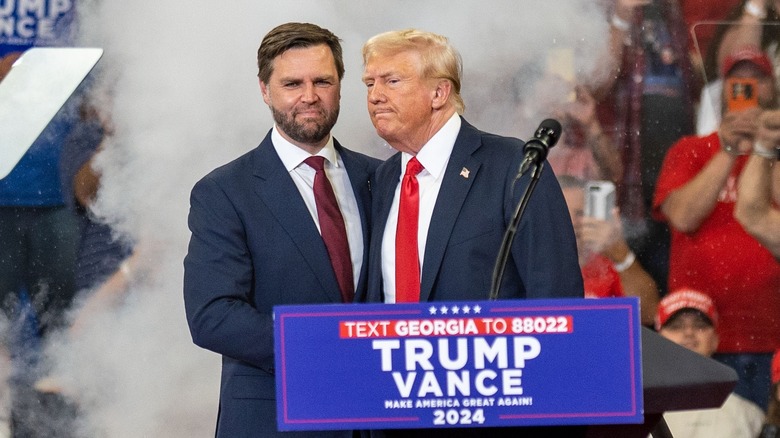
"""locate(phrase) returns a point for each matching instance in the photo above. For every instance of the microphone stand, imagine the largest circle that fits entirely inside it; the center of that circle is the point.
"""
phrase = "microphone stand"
(509, 234)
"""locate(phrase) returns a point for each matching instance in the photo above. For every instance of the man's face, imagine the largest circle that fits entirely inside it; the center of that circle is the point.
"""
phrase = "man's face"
(400, 99)
(693, 331)
(303, 94)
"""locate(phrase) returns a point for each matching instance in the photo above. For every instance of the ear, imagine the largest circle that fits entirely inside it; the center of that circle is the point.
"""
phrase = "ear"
(441, 94)
(266, 93)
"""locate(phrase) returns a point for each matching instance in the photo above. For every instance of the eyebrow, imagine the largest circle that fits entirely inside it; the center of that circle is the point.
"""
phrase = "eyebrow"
(381, 76)
(328, 77)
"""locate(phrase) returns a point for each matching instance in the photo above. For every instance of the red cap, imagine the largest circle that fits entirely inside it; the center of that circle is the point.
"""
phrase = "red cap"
(685, 299)
(776, 367)
(749, 54)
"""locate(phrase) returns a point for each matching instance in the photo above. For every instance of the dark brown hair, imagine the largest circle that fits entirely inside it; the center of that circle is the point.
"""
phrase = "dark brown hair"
(294, 35)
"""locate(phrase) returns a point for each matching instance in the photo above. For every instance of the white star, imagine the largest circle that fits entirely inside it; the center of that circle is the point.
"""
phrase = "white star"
(455, 310)
(466, 309)
(443, 310)
(477, 309)
(432, 310)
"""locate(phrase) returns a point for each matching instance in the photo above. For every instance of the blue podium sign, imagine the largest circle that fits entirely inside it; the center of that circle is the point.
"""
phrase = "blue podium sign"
(24, 24)
(458, 364)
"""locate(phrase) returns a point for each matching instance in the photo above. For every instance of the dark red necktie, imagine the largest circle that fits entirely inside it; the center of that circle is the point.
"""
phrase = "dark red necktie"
(332, 228)
(407, 260)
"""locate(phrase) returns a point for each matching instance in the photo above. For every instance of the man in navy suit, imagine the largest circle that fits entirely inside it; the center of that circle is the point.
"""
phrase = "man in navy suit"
(259, 236)
(461, 200)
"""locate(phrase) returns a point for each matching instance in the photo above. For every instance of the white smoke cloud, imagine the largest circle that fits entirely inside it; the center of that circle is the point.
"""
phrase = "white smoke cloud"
(187, 100)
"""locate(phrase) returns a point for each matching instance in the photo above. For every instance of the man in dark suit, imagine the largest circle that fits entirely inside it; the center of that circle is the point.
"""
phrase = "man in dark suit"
(467, 190)
(263, 233)
(442, 204)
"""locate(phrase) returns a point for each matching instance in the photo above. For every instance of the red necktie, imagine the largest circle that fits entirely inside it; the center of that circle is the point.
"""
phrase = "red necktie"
(332, 228)
(407, 260)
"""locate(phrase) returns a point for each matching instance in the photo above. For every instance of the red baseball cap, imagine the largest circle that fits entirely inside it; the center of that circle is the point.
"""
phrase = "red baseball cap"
(749, 54)
(685, 299)
(776, 367)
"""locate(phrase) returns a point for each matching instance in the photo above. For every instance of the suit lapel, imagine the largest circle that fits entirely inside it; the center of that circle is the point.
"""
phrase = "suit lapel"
(454, 189)
(358, 178)
(278, 192)
(387, 176)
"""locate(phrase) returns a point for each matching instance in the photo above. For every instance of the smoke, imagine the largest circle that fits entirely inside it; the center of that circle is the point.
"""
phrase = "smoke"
(186, 100)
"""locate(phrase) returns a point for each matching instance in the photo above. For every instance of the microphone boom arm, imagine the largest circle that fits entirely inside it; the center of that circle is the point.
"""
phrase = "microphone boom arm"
(535, 150)
(511, 231)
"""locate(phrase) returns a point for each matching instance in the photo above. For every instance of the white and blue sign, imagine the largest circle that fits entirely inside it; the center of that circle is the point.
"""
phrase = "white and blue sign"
(458, 364)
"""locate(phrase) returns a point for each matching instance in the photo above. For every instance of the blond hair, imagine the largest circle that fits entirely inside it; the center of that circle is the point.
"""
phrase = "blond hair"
(440, 59)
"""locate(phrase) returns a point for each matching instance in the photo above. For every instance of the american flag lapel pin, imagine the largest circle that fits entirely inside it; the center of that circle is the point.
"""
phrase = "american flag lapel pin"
(464, 173)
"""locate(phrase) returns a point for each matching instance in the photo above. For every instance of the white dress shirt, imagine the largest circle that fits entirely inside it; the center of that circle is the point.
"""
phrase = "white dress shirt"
(434, 157)
(303, 176)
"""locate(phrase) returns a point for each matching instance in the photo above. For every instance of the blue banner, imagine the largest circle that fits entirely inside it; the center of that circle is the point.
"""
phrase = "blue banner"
(458, 364)
(27, 23)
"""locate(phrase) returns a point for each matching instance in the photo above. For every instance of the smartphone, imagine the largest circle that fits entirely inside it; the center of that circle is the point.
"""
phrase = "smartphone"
(599, 199)
(741, 93)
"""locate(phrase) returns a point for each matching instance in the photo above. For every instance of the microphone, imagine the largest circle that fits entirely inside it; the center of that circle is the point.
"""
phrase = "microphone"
(536, 149)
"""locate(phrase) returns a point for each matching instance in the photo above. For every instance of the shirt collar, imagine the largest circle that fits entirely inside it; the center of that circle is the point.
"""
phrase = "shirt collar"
(292, 156)
(435, 154)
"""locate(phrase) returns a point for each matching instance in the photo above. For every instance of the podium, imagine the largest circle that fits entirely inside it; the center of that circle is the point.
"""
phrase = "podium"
(560, 366)
(674, 379)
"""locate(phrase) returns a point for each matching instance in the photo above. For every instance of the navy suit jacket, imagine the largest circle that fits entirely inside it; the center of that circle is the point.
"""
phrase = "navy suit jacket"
(254, 245)
(475, 204)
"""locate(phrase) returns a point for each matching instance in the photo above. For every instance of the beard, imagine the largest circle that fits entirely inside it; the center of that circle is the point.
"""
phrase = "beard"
(307, 132)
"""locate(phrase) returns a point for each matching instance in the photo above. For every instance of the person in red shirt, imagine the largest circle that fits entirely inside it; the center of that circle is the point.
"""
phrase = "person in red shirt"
(609, 267)
(689, 318)
(710, 252)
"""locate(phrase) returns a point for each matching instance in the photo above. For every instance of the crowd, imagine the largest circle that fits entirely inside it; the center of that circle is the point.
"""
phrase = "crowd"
(708, 204)
(685, 126)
